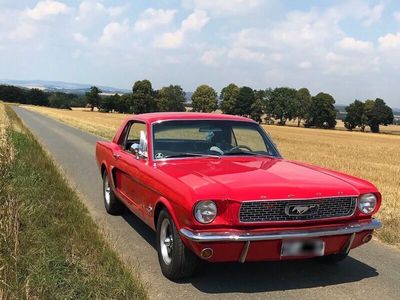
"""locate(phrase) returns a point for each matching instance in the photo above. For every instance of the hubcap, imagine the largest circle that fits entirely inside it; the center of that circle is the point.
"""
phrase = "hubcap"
(107, 190)
(166, 241)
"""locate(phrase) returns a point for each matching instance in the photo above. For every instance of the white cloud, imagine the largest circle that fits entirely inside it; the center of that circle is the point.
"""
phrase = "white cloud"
(396, 16)
(46, 8)
(373, 15)
(153, 17)
(114, 34)
(23, 31)
(170, 40)
(346, 65)
(306, 40)
(89, 9)
(194, 22)
(211, 57)
(223, 7)
(246, 55)
(80, 38)
(305, 64)
(389, 42)
(349, 43)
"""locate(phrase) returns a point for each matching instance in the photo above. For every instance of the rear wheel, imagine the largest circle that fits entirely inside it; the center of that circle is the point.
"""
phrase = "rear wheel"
(176, 261)
(111, 203)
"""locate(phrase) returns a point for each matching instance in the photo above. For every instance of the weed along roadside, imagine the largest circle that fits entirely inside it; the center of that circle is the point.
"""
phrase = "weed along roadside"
(50, 247)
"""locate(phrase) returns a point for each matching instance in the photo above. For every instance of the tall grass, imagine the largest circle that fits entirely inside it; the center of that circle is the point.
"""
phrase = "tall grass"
(50, 247)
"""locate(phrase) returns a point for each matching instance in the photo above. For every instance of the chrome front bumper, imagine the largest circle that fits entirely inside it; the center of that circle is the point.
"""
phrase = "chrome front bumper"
(245, 236)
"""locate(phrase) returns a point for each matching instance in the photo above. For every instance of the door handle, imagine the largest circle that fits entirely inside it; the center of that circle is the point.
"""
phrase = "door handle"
(116, 156)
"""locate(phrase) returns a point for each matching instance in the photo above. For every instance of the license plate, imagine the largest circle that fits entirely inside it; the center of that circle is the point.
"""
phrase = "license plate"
(303, 248)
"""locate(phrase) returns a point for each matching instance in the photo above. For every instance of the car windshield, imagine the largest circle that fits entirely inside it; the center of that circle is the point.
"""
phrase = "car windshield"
(210, 138)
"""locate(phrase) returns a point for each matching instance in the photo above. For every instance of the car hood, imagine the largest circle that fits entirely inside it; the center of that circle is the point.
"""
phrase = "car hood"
(241, 178)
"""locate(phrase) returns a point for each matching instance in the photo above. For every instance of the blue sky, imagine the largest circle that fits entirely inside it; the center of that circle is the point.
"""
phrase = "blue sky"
(350, 49)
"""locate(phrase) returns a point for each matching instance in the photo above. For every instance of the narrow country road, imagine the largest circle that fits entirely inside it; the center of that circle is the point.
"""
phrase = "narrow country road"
(371, 272)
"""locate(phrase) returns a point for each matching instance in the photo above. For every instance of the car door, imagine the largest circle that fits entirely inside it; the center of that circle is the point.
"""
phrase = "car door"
(129, 165)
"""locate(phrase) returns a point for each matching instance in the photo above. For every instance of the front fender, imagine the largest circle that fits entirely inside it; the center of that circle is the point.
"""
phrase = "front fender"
(163, 202)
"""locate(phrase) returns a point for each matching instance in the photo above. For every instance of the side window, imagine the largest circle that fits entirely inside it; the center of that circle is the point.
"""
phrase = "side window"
(136, 133)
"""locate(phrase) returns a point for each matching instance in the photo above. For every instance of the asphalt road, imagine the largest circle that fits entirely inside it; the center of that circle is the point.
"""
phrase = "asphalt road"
(371, 272)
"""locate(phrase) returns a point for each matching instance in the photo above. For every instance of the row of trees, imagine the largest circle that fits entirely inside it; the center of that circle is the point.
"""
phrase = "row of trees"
(372, 113)
(279, 105)
(142, 99)
(36, 96)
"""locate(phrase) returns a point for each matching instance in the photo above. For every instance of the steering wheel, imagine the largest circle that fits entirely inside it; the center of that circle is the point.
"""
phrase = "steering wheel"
(239, 147)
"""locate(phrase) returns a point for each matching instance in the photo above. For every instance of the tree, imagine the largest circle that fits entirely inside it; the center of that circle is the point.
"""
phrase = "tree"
(204, 99)
(245, 101)
(378, 113)
(302, 104)
(355, 116)
(61, 100)
(124, 104)
(322, 112)
(13, 94)
(282, 104)
(257, 110)
(143, 100)
(171, 98)
(109, 103)
(37, 97)
(93, 97)
(229, 96)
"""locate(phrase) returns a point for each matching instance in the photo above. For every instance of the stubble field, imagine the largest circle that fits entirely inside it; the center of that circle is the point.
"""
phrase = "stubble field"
(374, 157)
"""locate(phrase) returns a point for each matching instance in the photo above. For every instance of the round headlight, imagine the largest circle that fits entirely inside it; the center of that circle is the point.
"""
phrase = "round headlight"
(205, 211)
(367, 203)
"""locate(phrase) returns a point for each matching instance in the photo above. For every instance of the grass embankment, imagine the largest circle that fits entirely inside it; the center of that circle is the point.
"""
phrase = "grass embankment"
(375, 157)
(50, 248)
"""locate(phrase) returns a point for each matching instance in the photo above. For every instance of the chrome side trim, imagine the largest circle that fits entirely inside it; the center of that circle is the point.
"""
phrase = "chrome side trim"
(244, 236)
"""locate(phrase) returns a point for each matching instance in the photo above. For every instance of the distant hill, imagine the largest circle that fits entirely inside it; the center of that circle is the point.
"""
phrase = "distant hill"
(61, 86)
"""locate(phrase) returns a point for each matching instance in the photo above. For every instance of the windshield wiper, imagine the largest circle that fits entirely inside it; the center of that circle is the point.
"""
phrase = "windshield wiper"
(185, 154)
(247, 153)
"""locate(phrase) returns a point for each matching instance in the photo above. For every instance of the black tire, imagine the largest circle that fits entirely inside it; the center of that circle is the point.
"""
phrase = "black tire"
(334, 258)
(111, 203)
(183, 262)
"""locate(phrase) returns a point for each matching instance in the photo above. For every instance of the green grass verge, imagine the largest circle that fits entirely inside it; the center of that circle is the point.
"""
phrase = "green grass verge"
(53, 249)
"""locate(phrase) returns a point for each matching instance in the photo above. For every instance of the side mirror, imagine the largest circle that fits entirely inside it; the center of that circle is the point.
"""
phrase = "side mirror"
(135, 149)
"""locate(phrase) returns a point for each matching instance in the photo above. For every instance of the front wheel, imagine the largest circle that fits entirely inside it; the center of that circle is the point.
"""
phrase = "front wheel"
(176, 261)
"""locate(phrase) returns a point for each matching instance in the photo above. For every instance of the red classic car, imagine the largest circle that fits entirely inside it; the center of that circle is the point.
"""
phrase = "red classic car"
(214, 187)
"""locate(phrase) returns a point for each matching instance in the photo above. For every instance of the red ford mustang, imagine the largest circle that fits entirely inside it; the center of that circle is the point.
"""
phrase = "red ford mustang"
(214, 187)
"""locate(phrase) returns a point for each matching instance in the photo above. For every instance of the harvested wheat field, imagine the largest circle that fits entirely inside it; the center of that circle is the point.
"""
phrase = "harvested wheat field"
(375, 157)
(102, 124)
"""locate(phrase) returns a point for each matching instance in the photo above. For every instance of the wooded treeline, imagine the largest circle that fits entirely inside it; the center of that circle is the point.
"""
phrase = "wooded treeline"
(278, 105)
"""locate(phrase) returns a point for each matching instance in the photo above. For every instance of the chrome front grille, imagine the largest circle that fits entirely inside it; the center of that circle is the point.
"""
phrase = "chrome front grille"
(294, 210)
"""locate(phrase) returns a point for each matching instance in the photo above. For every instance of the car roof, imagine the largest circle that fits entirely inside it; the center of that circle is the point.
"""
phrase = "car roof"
(162, 116)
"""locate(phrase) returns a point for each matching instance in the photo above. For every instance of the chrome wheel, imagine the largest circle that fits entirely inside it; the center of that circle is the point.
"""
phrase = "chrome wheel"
(107, 191)
(166, 241)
